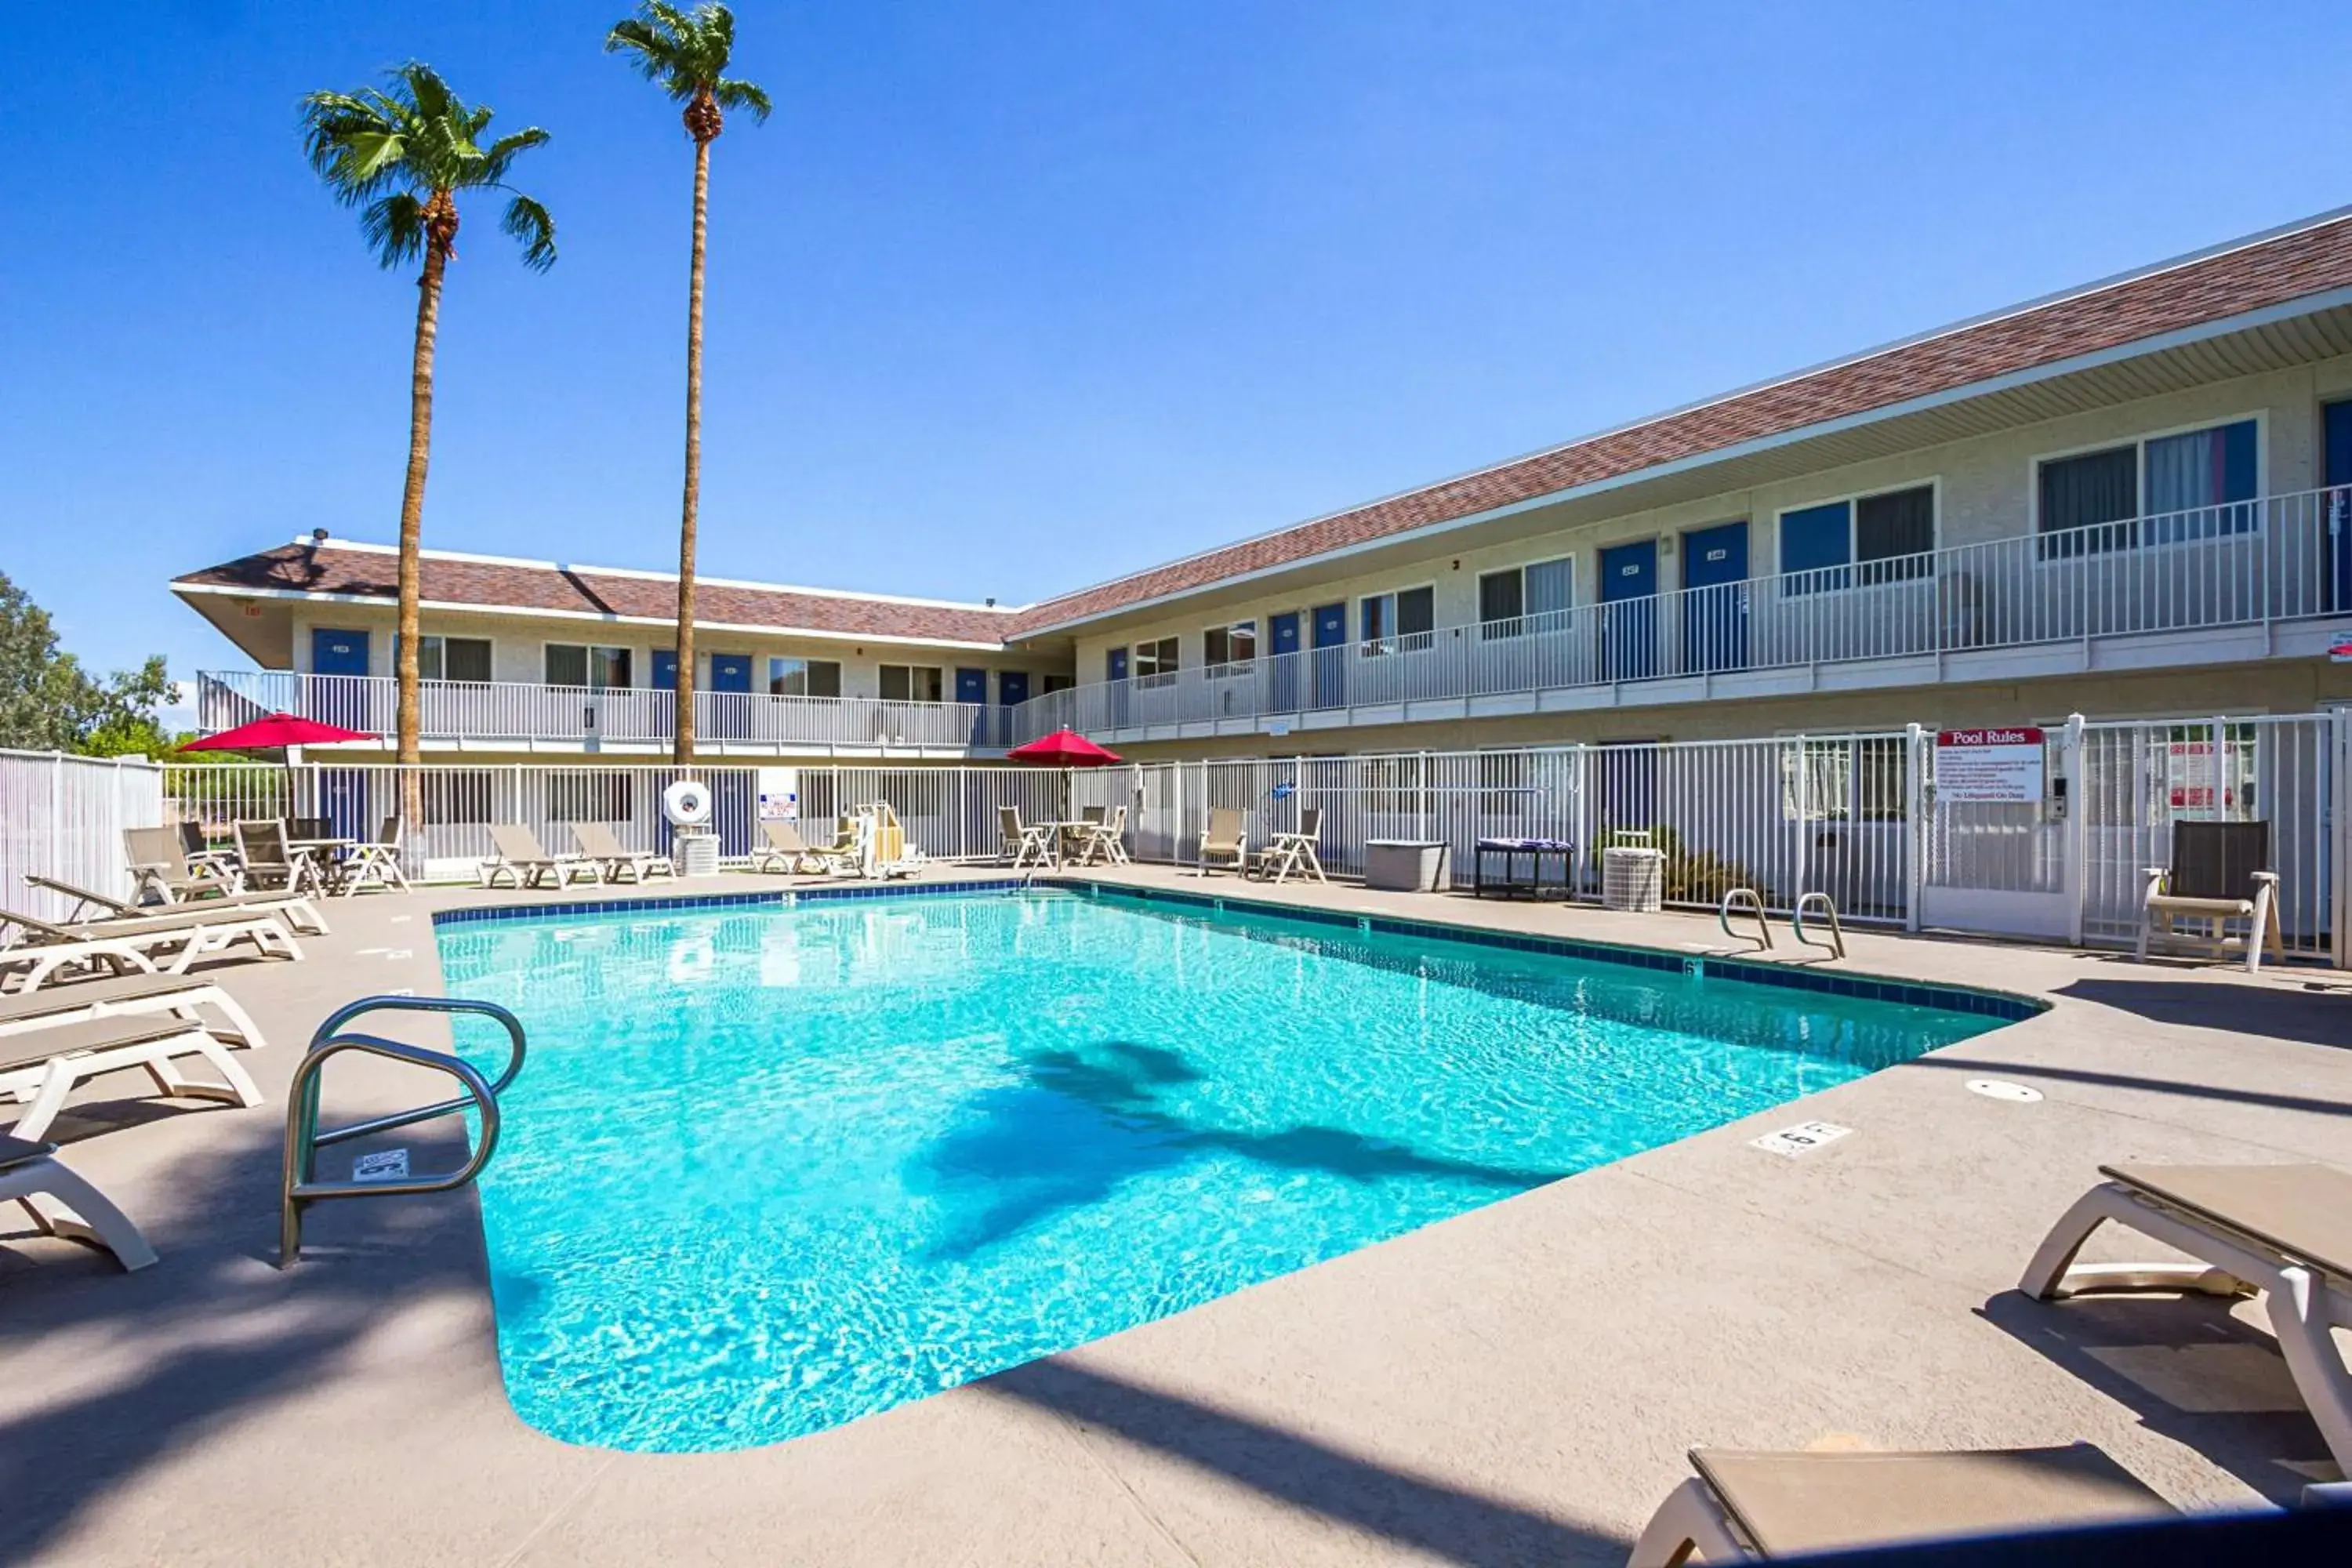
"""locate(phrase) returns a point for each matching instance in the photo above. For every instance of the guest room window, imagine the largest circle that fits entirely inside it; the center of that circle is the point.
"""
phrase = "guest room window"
(911, 683)
(1520, 599)
(2197, 484)
(1882, 538)
(1236, 644)
(804, 678)
(571, 664)
(1404, 621)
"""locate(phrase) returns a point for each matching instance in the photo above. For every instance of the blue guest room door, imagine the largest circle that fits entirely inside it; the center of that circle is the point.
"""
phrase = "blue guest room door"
(971, 686)
(1331, 634)
(731, 701)
(1714, 618)
(1011, 691)
(1282, 675)
(1629, 631)
(341, 702)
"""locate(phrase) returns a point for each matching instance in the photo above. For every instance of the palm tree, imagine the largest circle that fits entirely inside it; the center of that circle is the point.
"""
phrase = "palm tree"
(402, 155)
(687, 54)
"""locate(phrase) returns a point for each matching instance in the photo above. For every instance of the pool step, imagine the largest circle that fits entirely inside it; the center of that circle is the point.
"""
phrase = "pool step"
(300, 1186)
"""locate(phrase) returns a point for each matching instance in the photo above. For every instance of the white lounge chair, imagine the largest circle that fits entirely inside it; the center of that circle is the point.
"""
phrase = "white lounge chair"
(128, 995)
(1742, 1506)
(162, 863)
(515, 853)
(1024, 844)
(40, 1068)
(2283, 1230)
(46, 948)
(296, 910)
(615, 863)
(65, 1205)
(782, 848)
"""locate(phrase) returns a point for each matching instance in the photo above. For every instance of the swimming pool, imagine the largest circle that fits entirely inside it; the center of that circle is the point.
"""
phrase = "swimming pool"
(771, 1169)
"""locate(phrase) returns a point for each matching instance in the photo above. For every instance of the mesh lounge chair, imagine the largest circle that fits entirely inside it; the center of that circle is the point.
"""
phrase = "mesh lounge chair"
(1293, 851)
(783, 847)
(298, 911)
(161, 866)
(128, 995)
(270, 861)
(46, 948)
(1747, 1505)
(515, 852)
(65, 1205)
(203, 861)
(375, 862)
(40, 1067)
(1221, 839)
(2218, 872)
(1026, 845)
(2284, 1230)
(615, 863)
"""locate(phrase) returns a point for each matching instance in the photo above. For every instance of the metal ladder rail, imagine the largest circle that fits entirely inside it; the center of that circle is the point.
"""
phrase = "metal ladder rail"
(1753, 904)
(1836, 944)
(303, 1139)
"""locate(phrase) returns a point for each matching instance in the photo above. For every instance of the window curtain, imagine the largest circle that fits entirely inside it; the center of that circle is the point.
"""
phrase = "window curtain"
(2097, 488)
(1500, 598)
(2202, 473)
(1895, 531)
(1552, 587)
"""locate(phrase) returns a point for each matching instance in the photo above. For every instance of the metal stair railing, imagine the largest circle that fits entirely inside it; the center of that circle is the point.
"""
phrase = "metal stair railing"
(304, 1138)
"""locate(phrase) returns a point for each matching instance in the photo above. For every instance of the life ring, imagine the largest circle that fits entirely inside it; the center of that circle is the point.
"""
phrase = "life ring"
(686, 803)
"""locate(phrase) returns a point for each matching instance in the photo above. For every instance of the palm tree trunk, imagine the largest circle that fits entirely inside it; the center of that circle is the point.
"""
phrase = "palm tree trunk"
(412, 528)
(685, 527)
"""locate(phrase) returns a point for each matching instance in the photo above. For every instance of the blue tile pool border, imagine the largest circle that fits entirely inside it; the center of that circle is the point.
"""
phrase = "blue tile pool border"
(2007, 1006)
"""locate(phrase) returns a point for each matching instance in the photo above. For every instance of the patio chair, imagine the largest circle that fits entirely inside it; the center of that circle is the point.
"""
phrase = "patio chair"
(161, 866)
(616, 864)
(44, 949)
(1093, 814)
(847, 855)
(376, 862)
(128, 995)
(2218, 874)
(65, 1205)
(270, 861)
(40, 1067)
(2284, 1230)
(782, 846)
(1223, 839)
(1025, 844)
(203, 861)
(301, 909)
(1294, 850)
(1744, 1505)
(1106, 839)
(515, 852)
(309, 827)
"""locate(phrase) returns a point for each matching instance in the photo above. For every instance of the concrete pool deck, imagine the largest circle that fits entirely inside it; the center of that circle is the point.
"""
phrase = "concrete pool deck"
(1514, 1385)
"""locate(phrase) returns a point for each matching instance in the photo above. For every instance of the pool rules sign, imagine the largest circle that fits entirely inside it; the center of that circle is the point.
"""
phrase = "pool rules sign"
(2000, 766)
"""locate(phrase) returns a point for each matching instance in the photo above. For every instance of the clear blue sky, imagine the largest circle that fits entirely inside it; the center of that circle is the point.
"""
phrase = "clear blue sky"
(1010, 297)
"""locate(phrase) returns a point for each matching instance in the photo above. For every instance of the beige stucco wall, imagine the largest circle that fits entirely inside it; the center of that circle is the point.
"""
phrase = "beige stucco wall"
(1984, 486)
(518, 644)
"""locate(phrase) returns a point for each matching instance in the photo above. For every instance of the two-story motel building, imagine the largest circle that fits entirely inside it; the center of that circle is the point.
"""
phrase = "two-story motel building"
(2132, 499)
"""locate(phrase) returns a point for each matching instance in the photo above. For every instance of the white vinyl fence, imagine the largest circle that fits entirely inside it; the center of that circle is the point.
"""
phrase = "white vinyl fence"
(1853, 815)
(63, 816)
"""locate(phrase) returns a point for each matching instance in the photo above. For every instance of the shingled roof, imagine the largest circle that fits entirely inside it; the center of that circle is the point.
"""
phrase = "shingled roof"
(2232, 280)
(372, 573)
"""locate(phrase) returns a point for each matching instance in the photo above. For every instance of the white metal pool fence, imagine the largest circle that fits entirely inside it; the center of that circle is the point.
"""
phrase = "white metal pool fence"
(1855, 815)
(63, 816)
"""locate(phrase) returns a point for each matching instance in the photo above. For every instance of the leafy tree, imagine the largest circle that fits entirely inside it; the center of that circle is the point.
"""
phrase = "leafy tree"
(402, 155)
(49, 702)
(687, 54)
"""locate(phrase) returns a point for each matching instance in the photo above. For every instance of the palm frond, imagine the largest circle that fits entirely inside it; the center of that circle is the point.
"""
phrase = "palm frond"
(529, 222)
(684, 53)
(393, 227)
(501, 154)
(732, 93)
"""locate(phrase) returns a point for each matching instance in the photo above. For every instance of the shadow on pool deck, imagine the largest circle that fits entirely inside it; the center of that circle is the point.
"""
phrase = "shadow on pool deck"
(1075, 1127)
(213, 1333)
(2315, 1106)
(1411, 1510)
(2321, 1016)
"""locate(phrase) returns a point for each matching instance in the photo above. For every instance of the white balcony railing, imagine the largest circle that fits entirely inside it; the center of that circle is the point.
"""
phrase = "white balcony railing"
(493, 711)
(2280, 559)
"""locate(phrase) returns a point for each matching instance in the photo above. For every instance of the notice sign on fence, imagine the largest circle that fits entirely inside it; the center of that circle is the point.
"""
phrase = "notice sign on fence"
(1989, 765)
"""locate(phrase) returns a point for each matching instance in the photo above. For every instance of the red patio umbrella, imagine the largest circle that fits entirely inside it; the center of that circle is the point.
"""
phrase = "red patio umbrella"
(287, 732)
(1064, 748)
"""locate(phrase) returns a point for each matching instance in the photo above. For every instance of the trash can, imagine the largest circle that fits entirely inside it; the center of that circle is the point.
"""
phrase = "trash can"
(1404, 864)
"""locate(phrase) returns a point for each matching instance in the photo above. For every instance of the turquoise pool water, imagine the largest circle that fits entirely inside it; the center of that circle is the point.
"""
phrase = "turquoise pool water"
(770, 1170)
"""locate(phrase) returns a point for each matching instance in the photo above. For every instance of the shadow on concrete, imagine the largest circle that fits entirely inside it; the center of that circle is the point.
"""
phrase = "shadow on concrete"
(2132, 1080)
(2192, 1361)
(212, 1333)
(2314, 1017)
(1077, 1126)
(1427, 1515)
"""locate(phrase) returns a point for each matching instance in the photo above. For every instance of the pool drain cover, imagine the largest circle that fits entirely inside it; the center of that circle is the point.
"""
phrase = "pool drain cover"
(2001, 1088)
